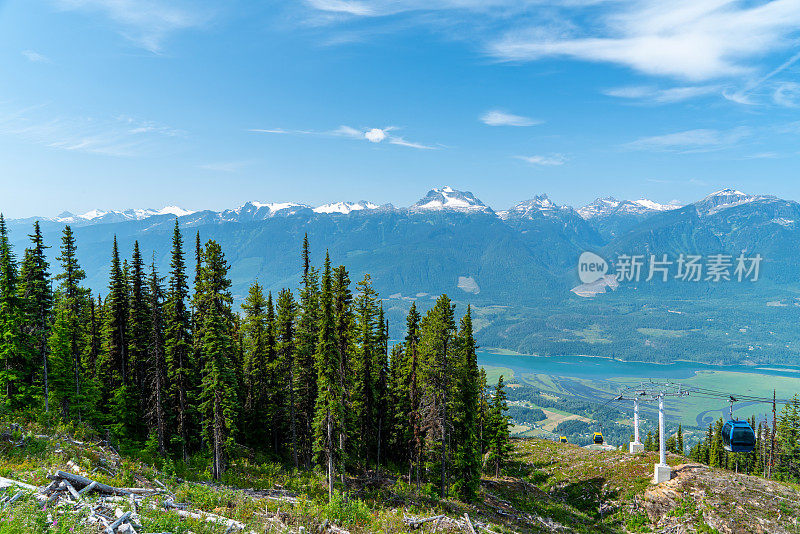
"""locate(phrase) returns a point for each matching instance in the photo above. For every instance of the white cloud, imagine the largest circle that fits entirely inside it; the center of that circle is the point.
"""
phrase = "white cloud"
(698, 140)
(119, 136)
(546, 161)
(688, 39)
(147, 23)
(373, 135)
(497, 117)
(662, 96)
(35, 57)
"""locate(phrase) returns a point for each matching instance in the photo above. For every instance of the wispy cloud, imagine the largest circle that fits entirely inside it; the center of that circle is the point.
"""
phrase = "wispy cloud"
(688, 39)
(496, 117)
(225, 166)
(147, 23)
(698, 140)
(118, 136)
(787, 94)
(380, 8)
(372, 135)
(656, 95)
(35, 57)
(550, 160)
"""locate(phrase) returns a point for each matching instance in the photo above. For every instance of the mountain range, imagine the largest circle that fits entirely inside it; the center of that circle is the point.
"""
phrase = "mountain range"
(516, 266)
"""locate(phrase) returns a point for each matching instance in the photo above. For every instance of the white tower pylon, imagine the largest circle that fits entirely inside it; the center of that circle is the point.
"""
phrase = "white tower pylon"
(661, 472)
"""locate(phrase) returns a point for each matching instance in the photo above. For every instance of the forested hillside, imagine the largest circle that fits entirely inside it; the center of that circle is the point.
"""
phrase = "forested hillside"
(303, 378)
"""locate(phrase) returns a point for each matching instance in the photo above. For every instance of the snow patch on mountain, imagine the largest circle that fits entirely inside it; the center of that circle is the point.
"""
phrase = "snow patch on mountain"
(610, 206)
(97, 215)
(726, 198)
(449, 199)
(540, 204)
(346, 207)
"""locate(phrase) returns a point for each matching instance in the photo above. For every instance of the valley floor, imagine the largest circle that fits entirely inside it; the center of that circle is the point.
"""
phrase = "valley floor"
(548, 487)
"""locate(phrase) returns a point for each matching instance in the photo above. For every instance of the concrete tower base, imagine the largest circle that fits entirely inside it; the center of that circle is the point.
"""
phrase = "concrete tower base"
(661, 473)
(635, 448)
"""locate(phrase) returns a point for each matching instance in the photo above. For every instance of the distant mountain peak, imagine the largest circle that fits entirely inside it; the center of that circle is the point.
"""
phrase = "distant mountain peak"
(724, 199)
(346, 207)
(97, 215)
(448, 199)
(603, 207)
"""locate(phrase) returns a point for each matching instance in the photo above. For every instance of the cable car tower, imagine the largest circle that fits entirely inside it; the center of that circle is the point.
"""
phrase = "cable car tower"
(652, 391)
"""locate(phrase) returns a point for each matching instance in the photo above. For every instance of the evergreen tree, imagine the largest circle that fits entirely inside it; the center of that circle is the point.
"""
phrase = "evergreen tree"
(218, 394)
(483, 412)
(69, 339)
(500, 441)
(178, 343)
(122, 398)
(15, 360)
(329, 412)
(679, 441)
(254, 340)
(787, 436)
(412, 378)
(437, 352)
(37, 296)
(364, 405)
(467, 462)
(155, 371)
(285, 341)
(648, 442)
(344, 325)
(305, 375)
(139, 330)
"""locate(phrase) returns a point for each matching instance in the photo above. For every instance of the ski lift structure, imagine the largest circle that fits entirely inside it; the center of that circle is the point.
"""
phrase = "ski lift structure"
(737, 436)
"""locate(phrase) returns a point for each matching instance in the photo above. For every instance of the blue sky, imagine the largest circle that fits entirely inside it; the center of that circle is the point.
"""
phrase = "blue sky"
(115, 104)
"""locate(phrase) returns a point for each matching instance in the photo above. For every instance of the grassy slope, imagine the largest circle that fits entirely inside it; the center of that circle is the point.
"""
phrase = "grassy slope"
(548, 485)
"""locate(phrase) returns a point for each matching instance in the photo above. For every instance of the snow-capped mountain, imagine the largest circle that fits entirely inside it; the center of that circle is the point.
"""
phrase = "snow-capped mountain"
(610, 206)
(449, 199)
(538, 205)
(346, 207)
(726, 198)
(99, 216)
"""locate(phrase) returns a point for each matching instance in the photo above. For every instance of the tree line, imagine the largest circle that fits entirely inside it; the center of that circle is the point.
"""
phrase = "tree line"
(305, 376)
(776, 453)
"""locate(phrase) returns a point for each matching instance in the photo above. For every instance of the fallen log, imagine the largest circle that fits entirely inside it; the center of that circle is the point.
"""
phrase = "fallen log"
(82, 482)
(415, 522)
(7, 482)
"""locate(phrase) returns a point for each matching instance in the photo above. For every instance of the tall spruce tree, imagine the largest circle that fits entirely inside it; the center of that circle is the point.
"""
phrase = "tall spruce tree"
(155, 367)
(412, 381)
(255, 375)
(285, 341)
(15, 357)
(467, 461)
(178, 343)
(219, 386)
(305, 375)
(343, 316)
(69, 340)
(437, 351)
(364, 405)
(139, 330)
(329, 410)
(37, 296)
(500, 442)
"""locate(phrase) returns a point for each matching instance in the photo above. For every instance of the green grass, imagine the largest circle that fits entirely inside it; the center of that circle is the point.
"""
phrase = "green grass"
(493, 374)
